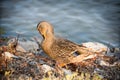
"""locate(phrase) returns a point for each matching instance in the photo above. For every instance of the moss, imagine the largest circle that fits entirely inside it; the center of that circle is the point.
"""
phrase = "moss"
(75, 76)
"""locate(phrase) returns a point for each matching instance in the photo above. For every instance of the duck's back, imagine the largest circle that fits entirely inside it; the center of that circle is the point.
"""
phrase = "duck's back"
(62, 50)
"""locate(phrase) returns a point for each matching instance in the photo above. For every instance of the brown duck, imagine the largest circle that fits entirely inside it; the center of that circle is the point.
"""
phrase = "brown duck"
(59, 49)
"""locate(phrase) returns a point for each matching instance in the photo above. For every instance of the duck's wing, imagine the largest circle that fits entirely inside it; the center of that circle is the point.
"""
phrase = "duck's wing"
(63, 51)
(65, 47)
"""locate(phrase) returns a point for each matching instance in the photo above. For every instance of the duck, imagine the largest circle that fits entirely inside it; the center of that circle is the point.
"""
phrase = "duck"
(63, 51)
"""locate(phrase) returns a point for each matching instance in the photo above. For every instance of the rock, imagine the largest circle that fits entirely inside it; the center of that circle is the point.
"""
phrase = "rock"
(46, 68)
(29, 45)
(20, 48)
(95, 46)
(8, 55)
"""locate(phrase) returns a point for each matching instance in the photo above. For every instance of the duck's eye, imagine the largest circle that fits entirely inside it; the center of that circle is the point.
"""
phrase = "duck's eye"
(76, 53)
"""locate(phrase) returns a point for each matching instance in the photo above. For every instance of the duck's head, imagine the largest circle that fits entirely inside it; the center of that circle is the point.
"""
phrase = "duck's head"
(45, 29)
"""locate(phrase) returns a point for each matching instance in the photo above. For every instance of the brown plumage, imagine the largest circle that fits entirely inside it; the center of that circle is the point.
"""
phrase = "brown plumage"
(59, 49)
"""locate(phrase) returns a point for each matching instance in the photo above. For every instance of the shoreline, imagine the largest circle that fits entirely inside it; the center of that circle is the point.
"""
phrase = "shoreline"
(32, 64)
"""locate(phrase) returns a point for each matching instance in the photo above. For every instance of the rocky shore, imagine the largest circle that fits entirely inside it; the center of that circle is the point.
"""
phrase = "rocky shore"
(25, 60)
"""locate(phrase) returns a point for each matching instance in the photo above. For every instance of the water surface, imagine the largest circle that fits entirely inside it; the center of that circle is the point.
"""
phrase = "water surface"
(76, 20)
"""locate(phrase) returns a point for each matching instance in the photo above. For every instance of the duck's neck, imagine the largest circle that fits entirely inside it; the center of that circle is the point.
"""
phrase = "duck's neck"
(47, 42)
(49, 38)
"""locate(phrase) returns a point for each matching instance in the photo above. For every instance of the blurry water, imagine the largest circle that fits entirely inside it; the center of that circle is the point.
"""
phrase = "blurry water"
(76, 20)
